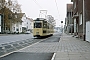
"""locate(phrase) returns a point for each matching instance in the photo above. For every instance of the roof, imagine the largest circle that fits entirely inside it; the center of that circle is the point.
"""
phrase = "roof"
(19, 16)
(30, 19)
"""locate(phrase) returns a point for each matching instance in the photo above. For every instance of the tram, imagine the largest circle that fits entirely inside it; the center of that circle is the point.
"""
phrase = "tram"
(42, 28)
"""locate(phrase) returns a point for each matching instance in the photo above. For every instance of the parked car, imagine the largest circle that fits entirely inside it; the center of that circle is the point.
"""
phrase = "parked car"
(27, 32)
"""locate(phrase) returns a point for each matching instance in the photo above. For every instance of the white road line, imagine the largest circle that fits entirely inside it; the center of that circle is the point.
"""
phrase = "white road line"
(53, 57)
(21, 49)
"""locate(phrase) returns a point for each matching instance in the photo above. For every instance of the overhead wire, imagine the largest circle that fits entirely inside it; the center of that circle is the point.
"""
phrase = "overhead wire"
(37, 3)
(57, 8)
(38, 6)
(55, 3)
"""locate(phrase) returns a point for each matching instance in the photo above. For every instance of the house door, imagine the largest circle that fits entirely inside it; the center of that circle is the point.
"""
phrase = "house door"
(74, 25)
(88, 31)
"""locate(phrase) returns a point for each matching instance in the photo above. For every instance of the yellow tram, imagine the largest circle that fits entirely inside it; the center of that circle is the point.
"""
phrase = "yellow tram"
(42, 28)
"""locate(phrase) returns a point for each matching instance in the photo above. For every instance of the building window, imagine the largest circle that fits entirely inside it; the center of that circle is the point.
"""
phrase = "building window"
(15, 16)
(6, 28)
(9, 29)
(80, 19)
(17, 29)
(20, 29)
(74, 5)
(0, 19)
(17, 24)
(14, 28)
(27, 27)
(20, 23)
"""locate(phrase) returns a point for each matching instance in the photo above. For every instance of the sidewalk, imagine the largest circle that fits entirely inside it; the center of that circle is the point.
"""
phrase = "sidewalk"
(73, 49)
(69, 48)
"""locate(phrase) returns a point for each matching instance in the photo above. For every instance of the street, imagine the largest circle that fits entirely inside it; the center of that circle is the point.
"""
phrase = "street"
(17, 45)
(14, 38)
(60, 47)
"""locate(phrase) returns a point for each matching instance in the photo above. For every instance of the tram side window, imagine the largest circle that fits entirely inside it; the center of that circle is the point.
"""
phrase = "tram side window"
(45, 26)
(37, 25)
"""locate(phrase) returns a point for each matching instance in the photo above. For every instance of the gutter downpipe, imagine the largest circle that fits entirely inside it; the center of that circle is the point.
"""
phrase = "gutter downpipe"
(71, 21)
(83, 20)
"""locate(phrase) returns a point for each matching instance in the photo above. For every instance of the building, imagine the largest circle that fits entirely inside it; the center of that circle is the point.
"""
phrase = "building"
(68, 20)
(87, 19)
(16, 25)
(11, 11)
(27, 24)
(81, 13)
(78, 18)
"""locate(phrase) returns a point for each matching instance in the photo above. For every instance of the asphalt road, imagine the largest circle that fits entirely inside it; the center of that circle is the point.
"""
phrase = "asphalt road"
(14, 38)
(28, 56)
(54, 38)
(23, 41)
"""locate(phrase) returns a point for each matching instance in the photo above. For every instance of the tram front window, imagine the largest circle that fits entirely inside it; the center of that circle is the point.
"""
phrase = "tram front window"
(37, 25)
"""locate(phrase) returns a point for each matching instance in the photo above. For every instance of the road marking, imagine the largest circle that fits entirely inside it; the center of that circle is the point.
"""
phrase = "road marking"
(21, 49)
(32, 44)
(53, 57)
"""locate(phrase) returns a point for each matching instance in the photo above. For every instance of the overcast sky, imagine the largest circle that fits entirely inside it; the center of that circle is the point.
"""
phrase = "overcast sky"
(32, 8)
